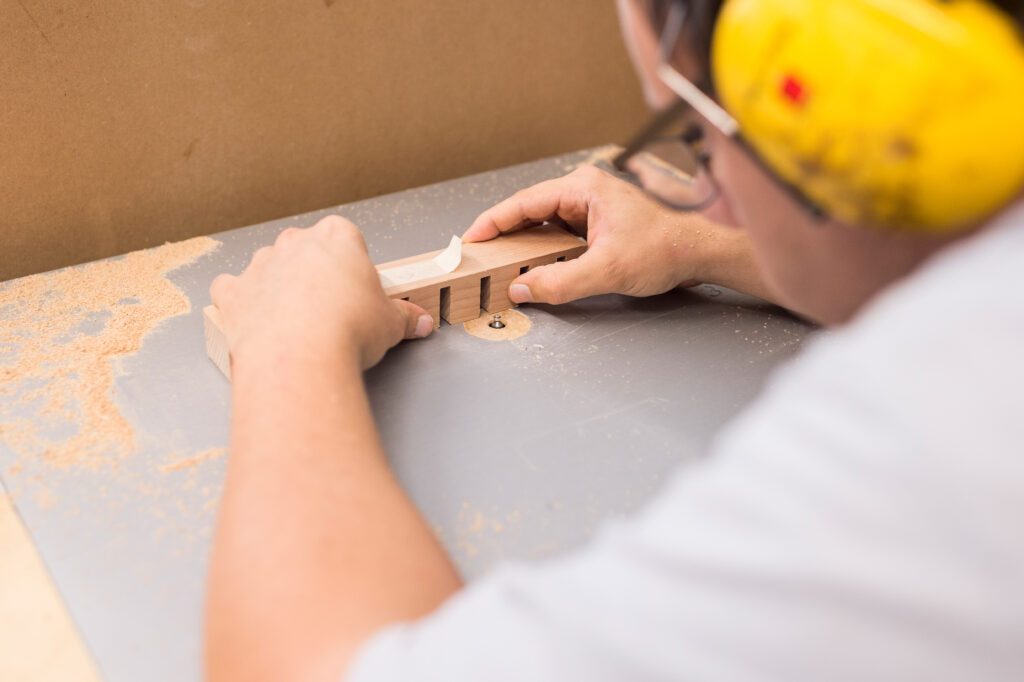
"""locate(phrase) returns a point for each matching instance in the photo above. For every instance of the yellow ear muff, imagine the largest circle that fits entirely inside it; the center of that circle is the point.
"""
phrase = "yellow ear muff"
(905, 114)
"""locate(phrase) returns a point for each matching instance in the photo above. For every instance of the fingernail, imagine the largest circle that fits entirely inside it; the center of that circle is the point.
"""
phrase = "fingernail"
(423, 326)
(520, 293)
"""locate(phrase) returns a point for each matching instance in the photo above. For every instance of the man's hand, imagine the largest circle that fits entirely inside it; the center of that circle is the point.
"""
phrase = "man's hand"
(314, 291)
(637, 246)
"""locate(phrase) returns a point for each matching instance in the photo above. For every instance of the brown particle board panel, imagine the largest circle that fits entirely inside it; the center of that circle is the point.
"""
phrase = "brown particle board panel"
(479, 283)
(127, 124)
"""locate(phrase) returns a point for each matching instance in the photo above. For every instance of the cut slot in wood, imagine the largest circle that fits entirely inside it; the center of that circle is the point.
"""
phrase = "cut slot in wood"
(485, 291)
(480, 282)
(445, 309)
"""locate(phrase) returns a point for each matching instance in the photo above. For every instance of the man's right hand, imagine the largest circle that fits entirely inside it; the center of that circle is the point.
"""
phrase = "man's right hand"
(637, 246)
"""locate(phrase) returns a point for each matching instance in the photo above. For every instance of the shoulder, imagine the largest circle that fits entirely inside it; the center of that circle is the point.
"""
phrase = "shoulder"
(940, 350)
(918, 400)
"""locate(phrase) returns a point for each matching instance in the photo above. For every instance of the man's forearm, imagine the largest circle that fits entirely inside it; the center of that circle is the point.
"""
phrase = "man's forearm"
(731, 264)
(317, 545)
(728, 257)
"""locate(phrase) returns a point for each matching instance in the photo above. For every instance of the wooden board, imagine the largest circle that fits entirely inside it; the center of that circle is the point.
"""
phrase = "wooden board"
(480, 283)
(216, 342)
(38, 641)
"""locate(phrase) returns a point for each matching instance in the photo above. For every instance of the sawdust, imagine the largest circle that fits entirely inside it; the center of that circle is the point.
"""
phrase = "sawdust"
(44, 498)
(475, 530)
(599, 156)
(193, 461)
(516, 325)
(61, 336)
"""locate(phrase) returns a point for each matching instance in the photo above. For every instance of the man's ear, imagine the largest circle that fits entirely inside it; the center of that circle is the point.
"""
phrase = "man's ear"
(642, 46)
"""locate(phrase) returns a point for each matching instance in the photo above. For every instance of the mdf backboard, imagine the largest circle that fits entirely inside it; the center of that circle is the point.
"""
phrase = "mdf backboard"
(126, 124)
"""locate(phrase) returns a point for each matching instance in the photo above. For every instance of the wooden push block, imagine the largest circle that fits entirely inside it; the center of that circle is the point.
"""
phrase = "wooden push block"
(480, 281)
(494, 294)
(216, 342)
(487, 269)
(460, 302)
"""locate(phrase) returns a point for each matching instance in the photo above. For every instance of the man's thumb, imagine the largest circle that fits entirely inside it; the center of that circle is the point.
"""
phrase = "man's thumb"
(418, 322)
(560, 282)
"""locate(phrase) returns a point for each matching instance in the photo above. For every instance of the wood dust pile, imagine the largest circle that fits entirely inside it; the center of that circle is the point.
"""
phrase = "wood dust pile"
(599, 156)
(56, 375)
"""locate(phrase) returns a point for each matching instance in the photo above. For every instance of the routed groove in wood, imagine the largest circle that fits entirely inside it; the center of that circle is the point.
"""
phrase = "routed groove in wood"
(485, 292)
(480, 283)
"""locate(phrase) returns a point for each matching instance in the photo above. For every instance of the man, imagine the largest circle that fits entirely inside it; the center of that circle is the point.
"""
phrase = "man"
(857, 522)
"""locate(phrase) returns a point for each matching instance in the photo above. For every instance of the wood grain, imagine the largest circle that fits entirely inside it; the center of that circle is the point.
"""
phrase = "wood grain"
(216, 342)
(479, 283)
(38, 640)
(487, 268)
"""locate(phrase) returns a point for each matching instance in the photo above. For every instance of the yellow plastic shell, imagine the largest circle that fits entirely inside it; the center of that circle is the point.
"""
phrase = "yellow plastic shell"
(903, 114)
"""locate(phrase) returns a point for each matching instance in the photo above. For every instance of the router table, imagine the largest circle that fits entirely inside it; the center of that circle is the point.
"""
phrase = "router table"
(513, 450)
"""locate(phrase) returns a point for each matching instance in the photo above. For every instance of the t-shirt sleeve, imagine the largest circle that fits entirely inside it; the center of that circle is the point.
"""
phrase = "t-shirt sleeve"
(821, 540)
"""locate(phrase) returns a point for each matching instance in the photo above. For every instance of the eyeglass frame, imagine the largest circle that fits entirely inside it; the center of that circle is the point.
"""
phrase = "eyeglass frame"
(691, 97)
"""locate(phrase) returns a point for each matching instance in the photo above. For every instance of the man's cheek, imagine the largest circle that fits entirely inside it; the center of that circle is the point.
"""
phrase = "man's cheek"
(724, 172)
(720, 211)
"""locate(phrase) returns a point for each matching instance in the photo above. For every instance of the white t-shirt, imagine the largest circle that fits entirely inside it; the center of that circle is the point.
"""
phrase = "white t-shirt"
(862, 520)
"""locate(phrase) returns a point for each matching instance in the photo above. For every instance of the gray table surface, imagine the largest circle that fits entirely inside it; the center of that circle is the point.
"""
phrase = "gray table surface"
(513, 450)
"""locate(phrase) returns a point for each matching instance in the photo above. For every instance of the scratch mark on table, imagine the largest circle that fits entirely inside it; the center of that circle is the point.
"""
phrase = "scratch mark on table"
(631, 326)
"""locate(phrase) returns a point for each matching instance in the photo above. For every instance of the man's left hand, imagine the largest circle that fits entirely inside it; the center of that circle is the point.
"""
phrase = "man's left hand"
(314, 292)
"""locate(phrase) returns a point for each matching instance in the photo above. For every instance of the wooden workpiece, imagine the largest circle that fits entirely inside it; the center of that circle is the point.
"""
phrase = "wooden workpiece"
(479, 283)
(38, 640)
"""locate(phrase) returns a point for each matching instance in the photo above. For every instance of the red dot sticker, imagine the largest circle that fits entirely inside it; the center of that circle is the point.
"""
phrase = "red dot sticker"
(794, 90)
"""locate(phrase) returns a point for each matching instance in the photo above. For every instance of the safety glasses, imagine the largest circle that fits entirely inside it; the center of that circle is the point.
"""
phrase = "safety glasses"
(675, 168)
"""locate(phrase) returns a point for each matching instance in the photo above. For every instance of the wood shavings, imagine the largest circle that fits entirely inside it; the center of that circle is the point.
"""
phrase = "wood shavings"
(474, 529)
(60, 335)
(601, 155)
